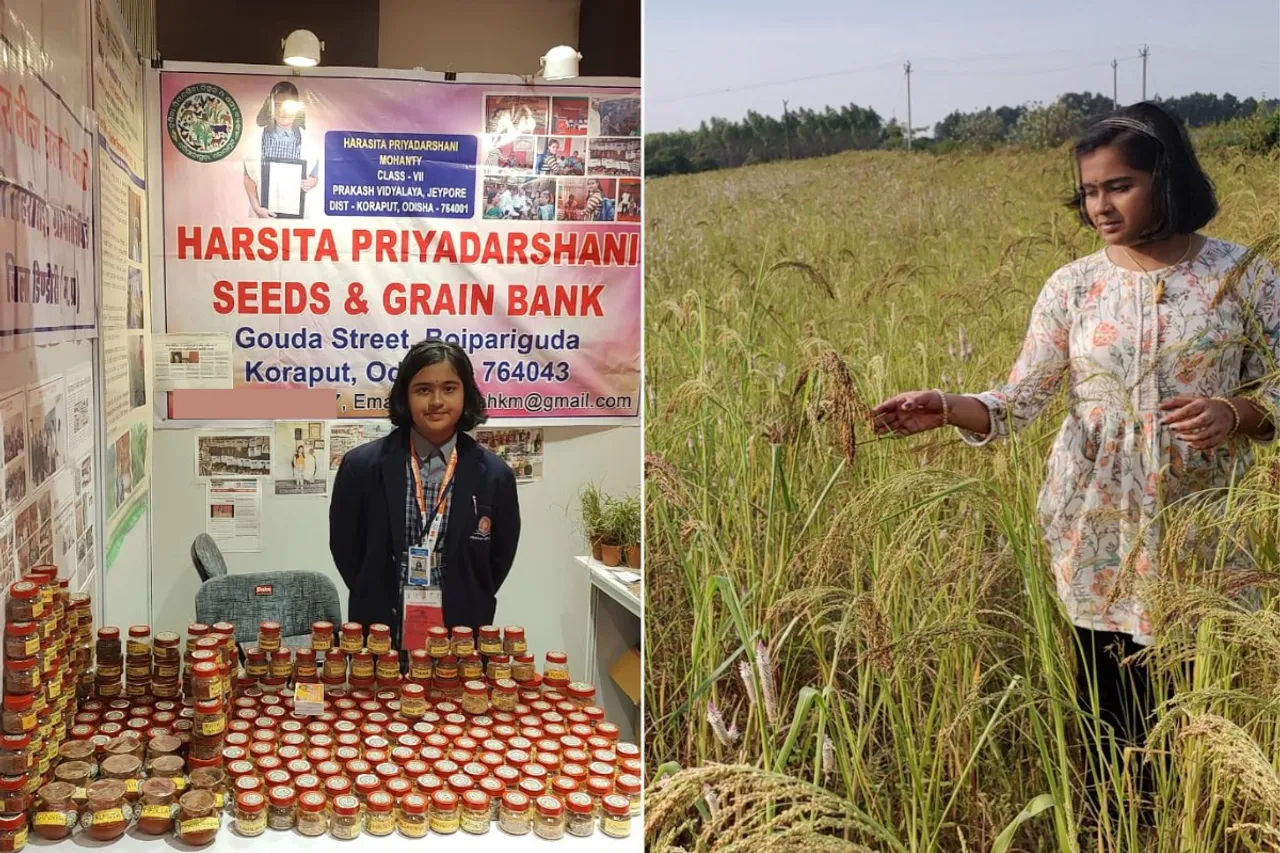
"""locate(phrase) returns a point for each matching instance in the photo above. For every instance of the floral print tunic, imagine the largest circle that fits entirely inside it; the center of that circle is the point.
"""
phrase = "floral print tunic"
(1114, 465)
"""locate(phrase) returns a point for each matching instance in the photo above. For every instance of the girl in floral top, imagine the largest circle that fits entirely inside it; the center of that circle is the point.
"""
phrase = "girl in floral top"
(1159, 350)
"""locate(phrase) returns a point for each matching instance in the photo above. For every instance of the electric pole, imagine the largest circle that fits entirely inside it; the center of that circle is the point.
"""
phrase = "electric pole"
(1115, 100)
(786, 127)
(908, 70)
(1144, 53)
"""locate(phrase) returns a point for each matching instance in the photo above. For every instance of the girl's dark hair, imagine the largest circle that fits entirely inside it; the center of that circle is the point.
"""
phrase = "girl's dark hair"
(434, 351)
(1151, 139)
(267, 114)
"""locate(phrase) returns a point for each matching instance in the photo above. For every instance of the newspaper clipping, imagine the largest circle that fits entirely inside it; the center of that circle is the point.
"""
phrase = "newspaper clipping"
(233, 514)
(192, 361)
(233, 455)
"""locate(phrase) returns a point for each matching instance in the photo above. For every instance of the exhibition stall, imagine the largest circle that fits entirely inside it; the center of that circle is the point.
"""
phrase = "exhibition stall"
(212, 273)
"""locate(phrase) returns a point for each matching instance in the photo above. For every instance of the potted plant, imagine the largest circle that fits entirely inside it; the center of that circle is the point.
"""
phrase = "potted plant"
(614, 532)
(593, 518)
(629, 521)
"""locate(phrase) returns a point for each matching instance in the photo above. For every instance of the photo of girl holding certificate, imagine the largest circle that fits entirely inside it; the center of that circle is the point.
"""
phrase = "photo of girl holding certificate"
(425, 518)
(284, 141)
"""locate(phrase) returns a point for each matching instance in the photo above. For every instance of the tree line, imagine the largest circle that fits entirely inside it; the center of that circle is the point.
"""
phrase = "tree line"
(720, 143)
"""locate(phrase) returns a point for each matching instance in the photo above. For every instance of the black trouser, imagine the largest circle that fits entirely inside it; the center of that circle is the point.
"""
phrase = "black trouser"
(1125, 702)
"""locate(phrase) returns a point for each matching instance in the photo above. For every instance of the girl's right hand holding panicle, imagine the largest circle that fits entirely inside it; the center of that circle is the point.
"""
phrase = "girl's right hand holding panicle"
(909, 413)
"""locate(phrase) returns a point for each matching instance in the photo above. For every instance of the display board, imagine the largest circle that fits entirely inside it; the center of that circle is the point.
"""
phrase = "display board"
(46, 186)
(321, 225)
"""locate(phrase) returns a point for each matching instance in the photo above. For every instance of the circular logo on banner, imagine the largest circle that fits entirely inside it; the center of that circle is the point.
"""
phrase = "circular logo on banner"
(204, 122)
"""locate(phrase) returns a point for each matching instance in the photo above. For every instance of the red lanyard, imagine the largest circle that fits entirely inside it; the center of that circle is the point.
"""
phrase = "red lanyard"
(444, 484)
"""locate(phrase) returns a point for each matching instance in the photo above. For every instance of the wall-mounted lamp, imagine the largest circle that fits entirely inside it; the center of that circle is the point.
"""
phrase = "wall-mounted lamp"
(302, 49)
(560, 63)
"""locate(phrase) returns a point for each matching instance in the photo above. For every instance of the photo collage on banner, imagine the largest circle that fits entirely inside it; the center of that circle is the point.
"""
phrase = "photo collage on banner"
(318, 227)
(562, 158)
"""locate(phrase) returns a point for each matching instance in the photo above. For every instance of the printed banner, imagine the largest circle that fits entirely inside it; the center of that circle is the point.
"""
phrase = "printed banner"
(327, 224)
(46, 202)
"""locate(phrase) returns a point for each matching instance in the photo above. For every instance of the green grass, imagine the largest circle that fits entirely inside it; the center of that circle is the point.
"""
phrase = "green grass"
(925, 689)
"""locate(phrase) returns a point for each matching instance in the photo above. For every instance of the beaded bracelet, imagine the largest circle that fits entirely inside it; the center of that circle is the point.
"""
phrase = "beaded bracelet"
(946, 410)
(1234, 412)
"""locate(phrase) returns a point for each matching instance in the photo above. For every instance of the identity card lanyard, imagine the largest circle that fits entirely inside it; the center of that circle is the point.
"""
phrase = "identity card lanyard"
(423, 601)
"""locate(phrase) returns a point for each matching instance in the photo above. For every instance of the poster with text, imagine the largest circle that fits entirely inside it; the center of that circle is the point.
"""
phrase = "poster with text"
(326, 224)
(344, 437)
(13, 451)
(46, 189)
(233, 514)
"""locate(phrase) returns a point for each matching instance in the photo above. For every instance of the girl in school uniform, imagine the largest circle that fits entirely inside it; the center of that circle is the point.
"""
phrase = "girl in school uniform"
(426, 517)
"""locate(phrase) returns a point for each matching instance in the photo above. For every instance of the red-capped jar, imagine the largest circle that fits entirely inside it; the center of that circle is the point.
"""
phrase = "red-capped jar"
(311, 813)
(352, 637)
(379, 642)
(366, 784)
(308, 782)
(380, 819)
(398, 787)
(269, 636)
(321, 636)
(428, 783)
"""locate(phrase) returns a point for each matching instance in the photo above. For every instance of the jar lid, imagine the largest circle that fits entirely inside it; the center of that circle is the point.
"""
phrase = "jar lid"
(564, 785)
(507, 773)
(335, 785)
(462, 632)
(505, 685)
(429, 782)
(352, 628)
(600, 786)
(513, 631)
(628, 784)
(527, 657)
(517, 800)
(15, 741)
(223, 628)
(500, 658)
(9, 784)
(269, 627)
(491, 786)
(206, 669)
(398, 787)
(444, 799)
(167, 765)
(139, 631)
(248, 783)
(282, 795)
(314, 802)
(414, 804)
(20, 629)
(459, 782)
(158, 786)
(437, 631)
(380, 801)
(251, 801)
(346, 805)
(20, 664)
(489, 631)
(557, 657)
(13, 823)
(26, 590)
(476, 688)
(617, 805)
(582, 689)
(533, 787)
(121, 765)
(307, 782)
(387, 769)
(549, 807)
(282, 653)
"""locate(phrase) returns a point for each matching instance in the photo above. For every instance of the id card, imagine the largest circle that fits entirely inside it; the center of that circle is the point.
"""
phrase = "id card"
(423, 608)
(424, 566)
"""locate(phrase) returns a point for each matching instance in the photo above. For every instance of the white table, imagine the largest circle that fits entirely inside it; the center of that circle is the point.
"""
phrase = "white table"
(228, 842)
(613, 627)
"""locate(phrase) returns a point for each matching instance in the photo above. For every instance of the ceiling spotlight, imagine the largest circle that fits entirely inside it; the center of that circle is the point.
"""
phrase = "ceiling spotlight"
(302, 49)
(560, 63)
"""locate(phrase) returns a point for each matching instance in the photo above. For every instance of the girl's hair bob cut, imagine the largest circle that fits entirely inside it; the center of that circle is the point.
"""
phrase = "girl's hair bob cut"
(434, 351)
(1150, 139)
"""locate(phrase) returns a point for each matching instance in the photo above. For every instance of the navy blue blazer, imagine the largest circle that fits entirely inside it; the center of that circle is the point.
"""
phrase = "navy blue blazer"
(367, 530)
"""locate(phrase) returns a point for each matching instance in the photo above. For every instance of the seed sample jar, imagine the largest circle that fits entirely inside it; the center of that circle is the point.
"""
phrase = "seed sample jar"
(251, 814)
(445, 813)
(25, 603)
(380, 817)
(352, 637)
(19, 715)
(513, 640)
(379, 642)
(206, 683)
(388, 668)
(345, 821)
(16, 757)
(463, 642)
(580, 812)
(615, 817)
(75, 773)
(281, 807)
(522, 667)
(156, 801)
(22, 676)
(515, 816)
(198, 820)
(268, 636)
(127, 769)
(475, 816)
(13, 833)
(56, 814)
(549, 823)
(14, 794)
(475, 697)
(312, 818)
(106, 815)
(411, 816)
(21, 640)
(281, 663)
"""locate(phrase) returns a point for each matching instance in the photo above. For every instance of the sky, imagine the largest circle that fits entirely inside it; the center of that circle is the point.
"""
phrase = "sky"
(705, 58)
